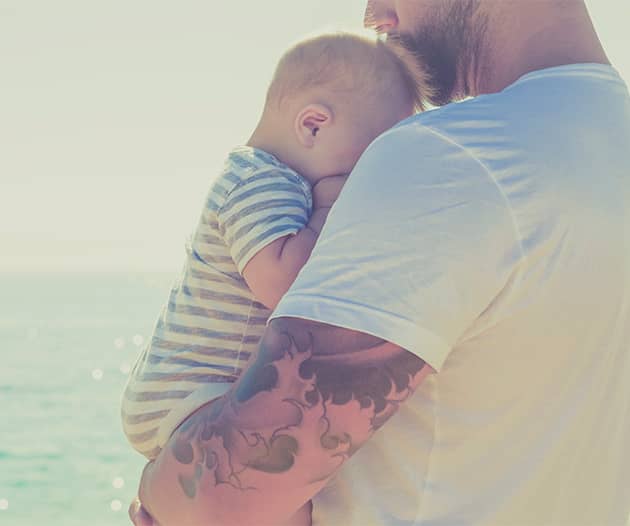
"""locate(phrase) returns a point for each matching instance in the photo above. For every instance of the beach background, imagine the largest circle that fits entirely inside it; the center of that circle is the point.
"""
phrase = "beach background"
(68, 342)
(114, 118)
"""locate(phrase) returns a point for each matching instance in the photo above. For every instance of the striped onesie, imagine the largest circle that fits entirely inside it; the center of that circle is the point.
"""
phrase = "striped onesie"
(212, 322)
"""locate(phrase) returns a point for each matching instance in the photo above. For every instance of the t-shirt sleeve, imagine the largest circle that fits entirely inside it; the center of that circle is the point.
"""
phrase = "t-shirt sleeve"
(418, 245)
(261, 209)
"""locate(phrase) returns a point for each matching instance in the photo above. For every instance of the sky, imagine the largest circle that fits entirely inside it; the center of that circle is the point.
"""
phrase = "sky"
(115, 117)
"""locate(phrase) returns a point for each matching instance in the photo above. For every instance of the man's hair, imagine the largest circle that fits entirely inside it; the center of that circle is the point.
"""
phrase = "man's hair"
(348, 67)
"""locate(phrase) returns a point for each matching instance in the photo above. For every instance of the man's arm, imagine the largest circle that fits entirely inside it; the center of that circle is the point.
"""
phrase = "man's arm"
(309, 399)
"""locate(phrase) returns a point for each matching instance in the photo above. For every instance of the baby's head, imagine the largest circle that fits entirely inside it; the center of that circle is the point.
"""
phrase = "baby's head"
(330, 97)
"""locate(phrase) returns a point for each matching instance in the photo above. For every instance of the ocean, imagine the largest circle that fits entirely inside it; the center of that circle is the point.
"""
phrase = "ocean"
(68, 343)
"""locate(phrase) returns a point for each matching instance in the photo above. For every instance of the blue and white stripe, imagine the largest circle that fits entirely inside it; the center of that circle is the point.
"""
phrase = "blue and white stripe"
(212, 323)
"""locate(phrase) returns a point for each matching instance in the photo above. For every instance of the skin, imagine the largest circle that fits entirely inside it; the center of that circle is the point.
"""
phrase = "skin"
(322, 141)
(299, 411)
(321, 135)
(314, 394)
(474, 47)
(271, 272)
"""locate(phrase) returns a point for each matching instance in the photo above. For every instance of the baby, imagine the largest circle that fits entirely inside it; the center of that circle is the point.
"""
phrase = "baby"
(330, 97)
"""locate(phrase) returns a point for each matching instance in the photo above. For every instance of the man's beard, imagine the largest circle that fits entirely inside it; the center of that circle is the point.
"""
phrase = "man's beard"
(446, 47)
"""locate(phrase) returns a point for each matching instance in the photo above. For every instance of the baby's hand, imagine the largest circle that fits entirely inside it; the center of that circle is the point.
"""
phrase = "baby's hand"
(327, 190)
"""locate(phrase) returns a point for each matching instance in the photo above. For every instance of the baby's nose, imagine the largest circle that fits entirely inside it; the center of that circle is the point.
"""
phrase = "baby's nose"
(381, 16)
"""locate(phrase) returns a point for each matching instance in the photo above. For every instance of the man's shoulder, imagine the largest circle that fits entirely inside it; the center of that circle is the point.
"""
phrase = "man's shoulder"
(449, 126)
(457, 126)
(471, 114)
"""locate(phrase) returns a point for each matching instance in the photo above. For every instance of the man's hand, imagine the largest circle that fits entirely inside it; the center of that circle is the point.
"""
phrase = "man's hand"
(139, 516)
(327, 190)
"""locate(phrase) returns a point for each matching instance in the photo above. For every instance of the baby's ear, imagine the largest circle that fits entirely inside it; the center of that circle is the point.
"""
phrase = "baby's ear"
(310, 121)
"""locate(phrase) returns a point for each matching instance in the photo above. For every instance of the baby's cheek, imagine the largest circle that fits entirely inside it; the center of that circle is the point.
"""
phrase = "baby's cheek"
(343, 161)
(357, 151)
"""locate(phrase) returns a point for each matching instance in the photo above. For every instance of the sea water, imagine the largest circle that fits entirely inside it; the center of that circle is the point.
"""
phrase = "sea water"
(67, 344)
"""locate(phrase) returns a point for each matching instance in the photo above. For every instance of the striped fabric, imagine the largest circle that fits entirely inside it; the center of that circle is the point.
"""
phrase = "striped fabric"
(211, 323)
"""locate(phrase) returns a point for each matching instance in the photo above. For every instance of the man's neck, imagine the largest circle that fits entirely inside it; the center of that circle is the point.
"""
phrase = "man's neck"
(546, 35)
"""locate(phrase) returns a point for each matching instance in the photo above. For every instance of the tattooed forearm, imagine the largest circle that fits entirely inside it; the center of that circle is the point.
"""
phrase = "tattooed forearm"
(308, 400)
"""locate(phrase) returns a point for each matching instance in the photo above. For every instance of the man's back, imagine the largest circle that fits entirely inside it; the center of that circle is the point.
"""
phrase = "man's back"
(528, 421)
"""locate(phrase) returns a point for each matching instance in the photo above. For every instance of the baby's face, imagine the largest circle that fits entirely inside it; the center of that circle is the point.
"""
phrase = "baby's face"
(353, 132)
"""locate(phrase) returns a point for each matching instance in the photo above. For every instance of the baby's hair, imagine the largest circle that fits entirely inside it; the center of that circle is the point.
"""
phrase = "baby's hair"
(349, 67)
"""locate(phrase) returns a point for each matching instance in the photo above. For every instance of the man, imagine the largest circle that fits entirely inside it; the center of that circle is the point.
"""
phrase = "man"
(487, 242)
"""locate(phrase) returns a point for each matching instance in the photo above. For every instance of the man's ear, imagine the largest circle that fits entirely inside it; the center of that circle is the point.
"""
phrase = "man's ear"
(310, 121)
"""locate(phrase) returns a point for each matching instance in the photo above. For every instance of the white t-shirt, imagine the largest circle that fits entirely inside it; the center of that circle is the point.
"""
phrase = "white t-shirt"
(492, 239)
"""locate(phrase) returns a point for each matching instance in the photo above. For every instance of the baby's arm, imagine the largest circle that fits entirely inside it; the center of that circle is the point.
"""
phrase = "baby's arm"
(270, 273)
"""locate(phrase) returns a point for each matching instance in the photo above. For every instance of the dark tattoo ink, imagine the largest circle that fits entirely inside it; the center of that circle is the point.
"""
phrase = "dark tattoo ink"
(297, 408)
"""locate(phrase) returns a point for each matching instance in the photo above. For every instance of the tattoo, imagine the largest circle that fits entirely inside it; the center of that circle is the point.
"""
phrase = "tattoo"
(309, 398)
